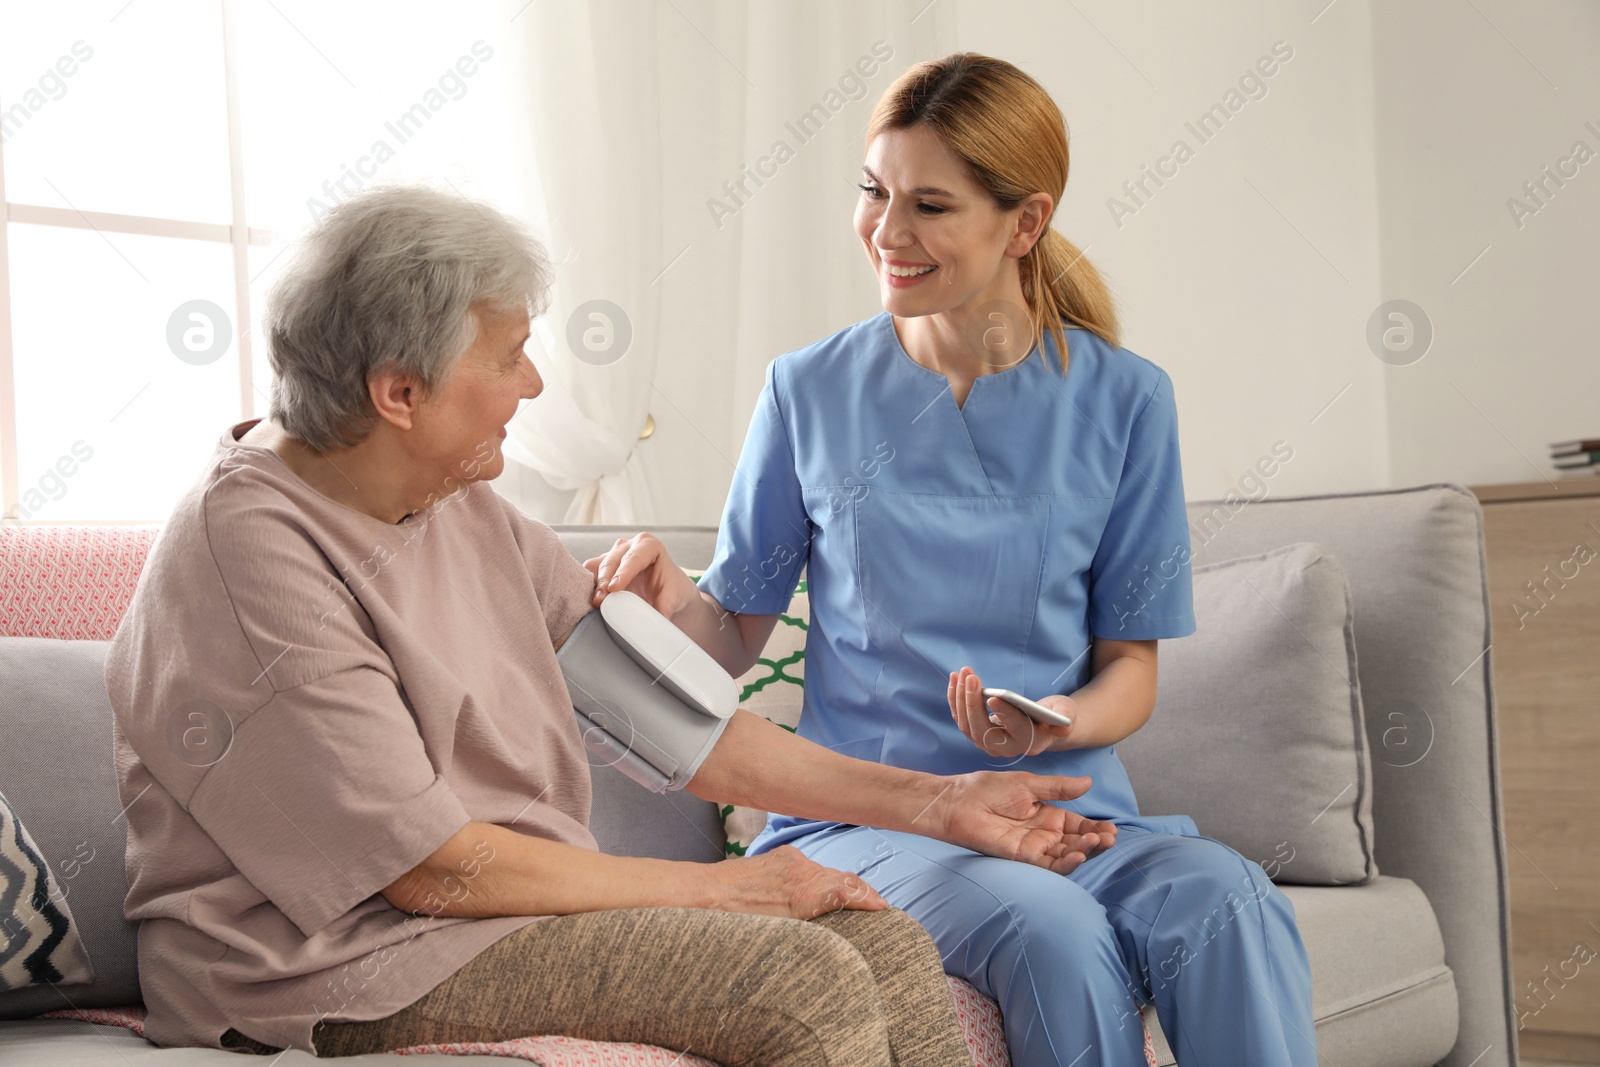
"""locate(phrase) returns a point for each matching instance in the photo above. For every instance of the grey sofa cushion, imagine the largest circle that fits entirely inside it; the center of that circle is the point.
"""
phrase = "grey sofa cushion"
(1258, 731)
(1380, 970)
(56, 772)
(58, 1042)
(1380, 990)
(629, 820)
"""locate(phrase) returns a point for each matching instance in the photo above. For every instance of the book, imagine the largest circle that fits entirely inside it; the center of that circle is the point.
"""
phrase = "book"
(1577, 459)
(1588, 470)
(1572, 448)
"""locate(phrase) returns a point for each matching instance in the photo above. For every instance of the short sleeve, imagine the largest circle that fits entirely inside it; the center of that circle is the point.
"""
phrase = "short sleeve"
(325, 795)
(564, 586)
(1140, 583)
(765, 535)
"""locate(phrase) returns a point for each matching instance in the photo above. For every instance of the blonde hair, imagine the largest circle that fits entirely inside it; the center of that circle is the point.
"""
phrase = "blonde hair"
(1010, 133)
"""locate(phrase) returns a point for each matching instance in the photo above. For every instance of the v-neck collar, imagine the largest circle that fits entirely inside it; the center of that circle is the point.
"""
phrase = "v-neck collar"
(1034, 356)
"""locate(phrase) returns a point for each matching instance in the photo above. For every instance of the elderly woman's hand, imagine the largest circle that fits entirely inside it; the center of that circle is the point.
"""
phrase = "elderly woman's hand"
(788, 883)
(640, 564)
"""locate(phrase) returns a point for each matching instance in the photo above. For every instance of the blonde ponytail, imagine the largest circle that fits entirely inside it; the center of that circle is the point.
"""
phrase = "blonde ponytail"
(1064, 290)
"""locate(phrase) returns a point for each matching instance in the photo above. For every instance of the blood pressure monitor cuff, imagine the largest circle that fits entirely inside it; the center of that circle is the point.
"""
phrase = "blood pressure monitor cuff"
(648, 700)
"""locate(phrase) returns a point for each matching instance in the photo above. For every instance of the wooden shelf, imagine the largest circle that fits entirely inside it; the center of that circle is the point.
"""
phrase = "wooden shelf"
(1555, 489)
(1545, 620)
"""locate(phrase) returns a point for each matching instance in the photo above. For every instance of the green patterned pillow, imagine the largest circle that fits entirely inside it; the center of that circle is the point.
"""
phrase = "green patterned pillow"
(771, 689)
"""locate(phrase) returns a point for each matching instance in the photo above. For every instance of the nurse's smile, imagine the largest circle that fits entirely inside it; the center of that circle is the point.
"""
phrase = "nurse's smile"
(903, 275)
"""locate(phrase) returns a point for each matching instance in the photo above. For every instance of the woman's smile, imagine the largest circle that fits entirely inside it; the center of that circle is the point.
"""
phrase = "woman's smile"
(901, 274)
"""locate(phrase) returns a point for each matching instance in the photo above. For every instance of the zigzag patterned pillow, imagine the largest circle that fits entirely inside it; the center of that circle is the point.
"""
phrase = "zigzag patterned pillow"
(773, 689)
(39, 942)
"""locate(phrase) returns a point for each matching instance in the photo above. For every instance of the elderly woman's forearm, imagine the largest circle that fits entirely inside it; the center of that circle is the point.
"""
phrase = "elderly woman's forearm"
(761, 765)
(485, 870)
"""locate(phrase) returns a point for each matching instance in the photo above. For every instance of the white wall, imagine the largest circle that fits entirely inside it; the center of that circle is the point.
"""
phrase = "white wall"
(1249, 274)
(1501, 90)
(1376, 165)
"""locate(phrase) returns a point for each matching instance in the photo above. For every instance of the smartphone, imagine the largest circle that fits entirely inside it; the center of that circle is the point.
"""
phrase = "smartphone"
(1033, 710)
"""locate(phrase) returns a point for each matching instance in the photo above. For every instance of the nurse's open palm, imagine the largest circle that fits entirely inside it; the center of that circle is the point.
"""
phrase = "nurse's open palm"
(1003, 813)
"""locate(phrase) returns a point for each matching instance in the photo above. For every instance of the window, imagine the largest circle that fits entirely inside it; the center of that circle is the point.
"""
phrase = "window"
(155, 161)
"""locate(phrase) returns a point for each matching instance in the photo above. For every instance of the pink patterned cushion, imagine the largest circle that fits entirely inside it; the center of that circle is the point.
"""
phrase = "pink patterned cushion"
(981, 1024)
(69, 582)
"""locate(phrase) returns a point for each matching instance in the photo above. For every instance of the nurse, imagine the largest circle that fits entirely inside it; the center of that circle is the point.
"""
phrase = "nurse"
(985, 489)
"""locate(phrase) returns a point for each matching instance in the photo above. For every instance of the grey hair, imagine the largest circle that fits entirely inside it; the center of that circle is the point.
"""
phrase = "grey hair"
(389, 279)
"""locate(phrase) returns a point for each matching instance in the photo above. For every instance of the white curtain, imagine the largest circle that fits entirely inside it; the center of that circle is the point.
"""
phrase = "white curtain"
(597, 144)
(656, 127)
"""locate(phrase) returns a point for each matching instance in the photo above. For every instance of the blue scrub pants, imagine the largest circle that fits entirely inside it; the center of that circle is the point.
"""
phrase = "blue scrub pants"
(1184, 922)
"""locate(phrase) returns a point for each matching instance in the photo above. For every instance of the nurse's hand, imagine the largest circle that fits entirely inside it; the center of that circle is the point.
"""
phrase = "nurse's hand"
(1000, 729)
(640, 565)
(1003, 813)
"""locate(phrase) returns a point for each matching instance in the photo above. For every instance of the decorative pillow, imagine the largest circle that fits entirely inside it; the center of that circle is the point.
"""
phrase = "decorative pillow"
(1258, 732)
(773, 689)
(58, 777)
(39, 942)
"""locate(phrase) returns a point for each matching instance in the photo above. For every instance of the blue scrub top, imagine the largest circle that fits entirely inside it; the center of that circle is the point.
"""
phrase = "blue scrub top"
(999, 534)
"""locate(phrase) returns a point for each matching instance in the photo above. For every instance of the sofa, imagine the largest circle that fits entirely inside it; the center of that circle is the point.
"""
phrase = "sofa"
(1399, 883)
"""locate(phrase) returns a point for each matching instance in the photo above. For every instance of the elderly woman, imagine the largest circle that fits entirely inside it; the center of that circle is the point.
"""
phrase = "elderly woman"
(357, 796)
